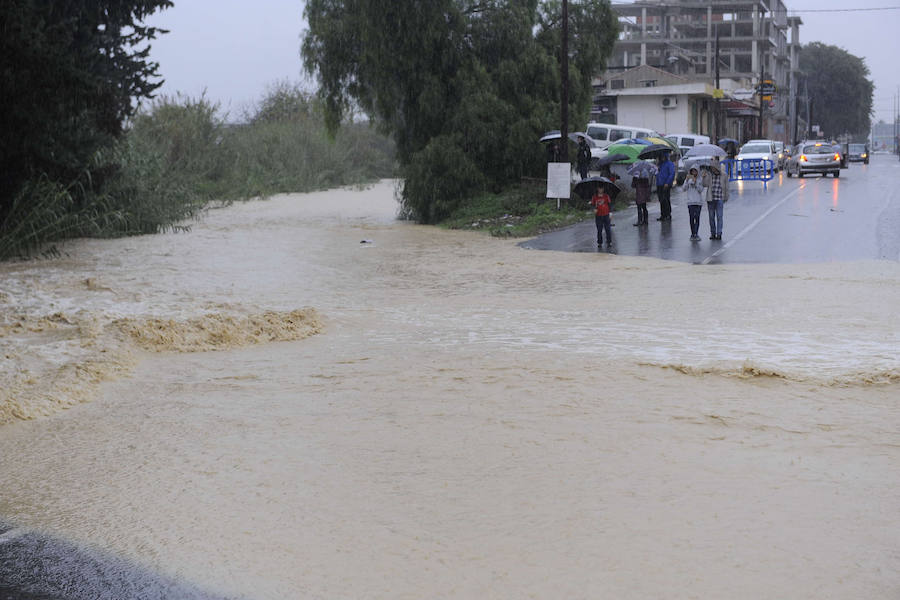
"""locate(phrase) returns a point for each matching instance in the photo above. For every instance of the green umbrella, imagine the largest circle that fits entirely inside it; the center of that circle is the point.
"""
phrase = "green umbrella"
(629, 150)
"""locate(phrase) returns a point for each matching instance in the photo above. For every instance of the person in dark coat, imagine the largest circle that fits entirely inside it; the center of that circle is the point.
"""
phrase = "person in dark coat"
(553, 152)
(584, 157)
(664, 179)
(641, 187)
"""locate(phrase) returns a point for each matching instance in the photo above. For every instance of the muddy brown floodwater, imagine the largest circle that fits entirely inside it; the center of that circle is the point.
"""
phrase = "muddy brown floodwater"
(305, 398)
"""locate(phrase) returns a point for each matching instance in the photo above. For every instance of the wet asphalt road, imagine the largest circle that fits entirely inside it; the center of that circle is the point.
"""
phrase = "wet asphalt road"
(790, 220)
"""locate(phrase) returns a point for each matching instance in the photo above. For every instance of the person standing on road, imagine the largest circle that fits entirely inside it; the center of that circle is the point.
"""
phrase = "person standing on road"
(641, 187)
(664, 179)
(584, 157)
(716, 183)
(695, 194)
(601, 201)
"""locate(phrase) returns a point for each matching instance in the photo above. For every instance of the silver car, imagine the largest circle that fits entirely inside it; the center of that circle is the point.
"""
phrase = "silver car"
(814, 157)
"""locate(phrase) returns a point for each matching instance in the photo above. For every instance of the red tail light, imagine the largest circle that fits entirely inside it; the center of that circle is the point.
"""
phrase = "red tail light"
(802, 158)
(837, 157)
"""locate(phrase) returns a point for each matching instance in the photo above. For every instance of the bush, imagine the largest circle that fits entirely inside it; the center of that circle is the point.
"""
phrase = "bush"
(177, 156)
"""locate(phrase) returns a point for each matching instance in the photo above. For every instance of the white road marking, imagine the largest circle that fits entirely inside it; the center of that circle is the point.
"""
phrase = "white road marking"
(747, 229)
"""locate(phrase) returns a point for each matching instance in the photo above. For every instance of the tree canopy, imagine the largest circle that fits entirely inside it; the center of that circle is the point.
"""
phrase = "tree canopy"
(465, 87)
(839, 88)
(69, 74)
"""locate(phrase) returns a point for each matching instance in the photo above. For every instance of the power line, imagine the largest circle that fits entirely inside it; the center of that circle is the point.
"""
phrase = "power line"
(831, 10)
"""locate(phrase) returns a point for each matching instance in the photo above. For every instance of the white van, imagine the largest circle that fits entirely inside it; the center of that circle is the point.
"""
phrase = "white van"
(605, 134)
(686, 141)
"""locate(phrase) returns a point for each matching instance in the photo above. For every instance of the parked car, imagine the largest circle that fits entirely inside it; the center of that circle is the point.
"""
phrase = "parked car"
(814, 157)
(858, 153)
(685, 141)
(763, 149)
(605, 134)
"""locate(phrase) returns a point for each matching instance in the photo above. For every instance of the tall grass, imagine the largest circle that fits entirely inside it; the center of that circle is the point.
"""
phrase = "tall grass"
(178, 155)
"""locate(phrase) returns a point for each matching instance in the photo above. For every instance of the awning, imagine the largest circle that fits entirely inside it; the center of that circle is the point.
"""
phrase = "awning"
(736, 108)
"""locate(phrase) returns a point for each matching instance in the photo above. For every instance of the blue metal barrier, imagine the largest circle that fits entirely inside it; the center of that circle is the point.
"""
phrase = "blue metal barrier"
(750, 169)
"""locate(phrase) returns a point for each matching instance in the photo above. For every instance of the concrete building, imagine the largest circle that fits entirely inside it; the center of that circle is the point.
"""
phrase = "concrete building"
(681, 37)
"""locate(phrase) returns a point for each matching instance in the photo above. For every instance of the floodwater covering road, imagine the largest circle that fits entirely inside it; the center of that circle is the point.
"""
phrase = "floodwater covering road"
(305, 398)
(790, 220)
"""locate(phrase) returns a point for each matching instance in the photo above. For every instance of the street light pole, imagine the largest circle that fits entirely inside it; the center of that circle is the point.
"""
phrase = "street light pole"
(718, 105)
(564, 67)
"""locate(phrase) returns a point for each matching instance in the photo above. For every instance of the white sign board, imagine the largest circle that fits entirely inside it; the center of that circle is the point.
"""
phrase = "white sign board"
(558, 179)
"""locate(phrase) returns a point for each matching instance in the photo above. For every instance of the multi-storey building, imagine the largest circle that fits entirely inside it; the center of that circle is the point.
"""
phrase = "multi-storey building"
(685, 38)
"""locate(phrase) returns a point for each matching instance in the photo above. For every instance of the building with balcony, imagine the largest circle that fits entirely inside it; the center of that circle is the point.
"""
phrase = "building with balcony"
(740, 43)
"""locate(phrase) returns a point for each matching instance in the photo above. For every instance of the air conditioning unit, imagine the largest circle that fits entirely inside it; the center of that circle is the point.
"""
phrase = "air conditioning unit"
(669, 101)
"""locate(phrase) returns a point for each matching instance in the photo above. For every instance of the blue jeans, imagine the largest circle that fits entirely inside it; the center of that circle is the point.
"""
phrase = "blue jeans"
(716, 210)
(694, 213)
(603, 224)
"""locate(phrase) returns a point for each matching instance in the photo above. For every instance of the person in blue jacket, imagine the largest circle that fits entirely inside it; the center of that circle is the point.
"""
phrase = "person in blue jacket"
(664, 179)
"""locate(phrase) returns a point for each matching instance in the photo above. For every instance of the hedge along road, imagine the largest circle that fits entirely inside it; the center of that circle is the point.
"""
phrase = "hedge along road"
(814, 219)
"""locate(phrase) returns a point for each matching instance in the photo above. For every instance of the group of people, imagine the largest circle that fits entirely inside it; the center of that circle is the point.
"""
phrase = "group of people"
(711, 187)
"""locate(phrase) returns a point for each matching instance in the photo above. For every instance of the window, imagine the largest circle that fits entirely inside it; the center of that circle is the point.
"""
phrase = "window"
(648, 83)
(618, 134)
(641, 135)
(598, 133)
(617, 84)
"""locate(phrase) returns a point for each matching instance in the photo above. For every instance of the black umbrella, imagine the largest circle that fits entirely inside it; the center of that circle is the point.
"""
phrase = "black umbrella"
(654, 151)
(586, 187)
(611, 158)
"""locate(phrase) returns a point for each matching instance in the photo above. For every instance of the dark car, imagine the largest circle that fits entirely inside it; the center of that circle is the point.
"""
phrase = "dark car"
(858, 153)
(814, 157)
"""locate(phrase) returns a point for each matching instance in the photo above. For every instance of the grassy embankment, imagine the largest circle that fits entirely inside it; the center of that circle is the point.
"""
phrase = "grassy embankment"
(522, 211)
(179, 156)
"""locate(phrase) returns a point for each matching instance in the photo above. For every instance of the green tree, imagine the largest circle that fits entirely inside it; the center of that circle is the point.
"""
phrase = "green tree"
(839, 88)
(465, 87)
(69, 74)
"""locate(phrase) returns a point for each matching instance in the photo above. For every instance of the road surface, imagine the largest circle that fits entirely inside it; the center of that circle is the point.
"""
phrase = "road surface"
(790, 220)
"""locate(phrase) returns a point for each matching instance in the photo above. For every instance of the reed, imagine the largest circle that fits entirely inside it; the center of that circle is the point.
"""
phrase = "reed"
(177, 156)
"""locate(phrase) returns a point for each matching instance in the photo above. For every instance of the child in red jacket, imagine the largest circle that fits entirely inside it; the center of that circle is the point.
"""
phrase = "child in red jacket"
(601, 201)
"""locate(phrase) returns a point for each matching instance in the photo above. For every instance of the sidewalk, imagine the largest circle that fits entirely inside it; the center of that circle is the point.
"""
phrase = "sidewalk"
(668, 240)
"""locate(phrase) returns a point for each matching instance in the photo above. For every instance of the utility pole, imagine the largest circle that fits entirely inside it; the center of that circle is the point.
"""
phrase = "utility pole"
(762, 103)
(718, 100)
(564, 128)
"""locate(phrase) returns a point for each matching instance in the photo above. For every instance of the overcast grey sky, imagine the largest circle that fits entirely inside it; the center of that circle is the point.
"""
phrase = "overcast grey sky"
(235, 48)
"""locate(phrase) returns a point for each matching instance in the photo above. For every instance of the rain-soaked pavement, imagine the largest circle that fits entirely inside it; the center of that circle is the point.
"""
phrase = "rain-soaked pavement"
(789, 220)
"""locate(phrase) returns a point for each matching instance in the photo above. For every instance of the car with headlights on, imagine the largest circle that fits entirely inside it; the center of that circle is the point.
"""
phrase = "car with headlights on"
(759, 149)
(814, 157)
(858, 153)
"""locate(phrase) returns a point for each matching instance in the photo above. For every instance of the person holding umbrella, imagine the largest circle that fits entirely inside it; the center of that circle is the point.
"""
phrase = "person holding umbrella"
(695, 194)
(716, 183)
(664, 179)
(600, 200)
(601, 192)
(641, 173)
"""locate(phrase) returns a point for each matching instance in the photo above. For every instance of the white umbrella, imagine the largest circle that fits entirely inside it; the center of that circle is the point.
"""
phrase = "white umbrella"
(642, 168)
(705, 150)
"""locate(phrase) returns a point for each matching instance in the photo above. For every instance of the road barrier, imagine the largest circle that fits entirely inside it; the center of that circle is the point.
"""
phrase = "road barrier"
(750, 169)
